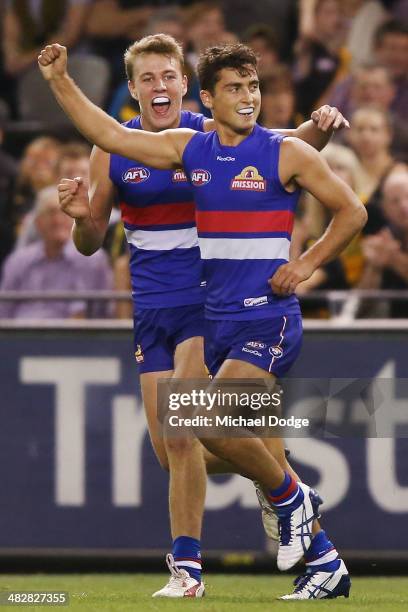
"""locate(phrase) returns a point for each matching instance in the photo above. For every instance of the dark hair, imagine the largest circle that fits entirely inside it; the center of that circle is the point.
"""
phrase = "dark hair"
(237, 56)
(393, 26)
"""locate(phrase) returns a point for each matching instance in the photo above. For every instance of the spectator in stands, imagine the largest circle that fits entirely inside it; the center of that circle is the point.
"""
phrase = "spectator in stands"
(391, 51)
(29, 26)
(372, 85)
(281, 15)
(205, 26)
(264, 42)
(113, 25)
(38, 169)
(366, 17)
(52, 264)
(73, 161)
(386, 251)
(322, 59)
(370, 137)
(8, 176)
(279, 100)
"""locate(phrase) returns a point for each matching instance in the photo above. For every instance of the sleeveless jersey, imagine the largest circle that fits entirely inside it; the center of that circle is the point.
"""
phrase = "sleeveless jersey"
(244, 219)
(158, 214)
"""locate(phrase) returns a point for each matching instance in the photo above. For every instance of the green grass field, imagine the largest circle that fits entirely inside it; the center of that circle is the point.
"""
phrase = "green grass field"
(232, 593)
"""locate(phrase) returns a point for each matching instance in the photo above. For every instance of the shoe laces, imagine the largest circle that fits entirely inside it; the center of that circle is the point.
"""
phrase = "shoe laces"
(302, 581)
(177, 575)
(285, 530)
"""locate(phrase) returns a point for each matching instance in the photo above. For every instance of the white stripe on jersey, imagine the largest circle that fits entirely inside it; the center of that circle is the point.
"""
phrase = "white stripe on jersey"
(244, 248)
(163, 240)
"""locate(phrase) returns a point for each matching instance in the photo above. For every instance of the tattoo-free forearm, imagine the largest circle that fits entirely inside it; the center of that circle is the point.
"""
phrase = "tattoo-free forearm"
(310, 133)
(346, 224)
(86, 236)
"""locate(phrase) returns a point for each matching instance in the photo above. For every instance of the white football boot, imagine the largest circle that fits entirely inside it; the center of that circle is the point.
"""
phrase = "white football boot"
(295, 527)
(321, 585)
(181, 584)
(270, 520)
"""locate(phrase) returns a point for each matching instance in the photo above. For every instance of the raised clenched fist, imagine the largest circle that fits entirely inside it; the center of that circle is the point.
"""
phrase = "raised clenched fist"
(53, 62)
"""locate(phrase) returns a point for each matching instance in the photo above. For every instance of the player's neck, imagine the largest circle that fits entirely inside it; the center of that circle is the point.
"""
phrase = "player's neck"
(148, 126)
(229, 137)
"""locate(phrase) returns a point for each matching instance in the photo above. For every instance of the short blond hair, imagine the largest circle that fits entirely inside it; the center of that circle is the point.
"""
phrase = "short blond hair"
(162, 44)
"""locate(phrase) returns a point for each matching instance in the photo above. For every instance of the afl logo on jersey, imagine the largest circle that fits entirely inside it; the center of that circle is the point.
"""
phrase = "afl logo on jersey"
(200, 177)
(135, 175)
(249, 180)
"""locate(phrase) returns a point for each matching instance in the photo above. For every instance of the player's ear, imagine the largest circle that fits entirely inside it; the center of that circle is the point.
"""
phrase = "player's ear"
(132, 90)
(206, 98)
(184, 85)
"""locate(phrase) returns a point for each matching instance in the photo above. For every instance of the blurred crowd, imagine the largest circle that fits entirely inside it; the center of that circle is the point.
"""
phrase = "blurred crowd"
(352, 54)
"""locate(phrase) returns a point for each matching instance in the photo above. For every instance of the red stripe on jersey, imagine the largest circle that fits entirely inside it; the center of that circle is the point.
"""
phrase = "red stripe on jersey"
(158, 214)
(245, 221)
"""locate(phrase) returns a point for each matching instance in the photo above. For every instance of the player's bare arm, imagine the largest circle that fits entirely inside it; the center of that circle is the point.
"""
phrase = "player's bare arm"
(300, 165)
(91, 208)
(161, 150)
(321, 126)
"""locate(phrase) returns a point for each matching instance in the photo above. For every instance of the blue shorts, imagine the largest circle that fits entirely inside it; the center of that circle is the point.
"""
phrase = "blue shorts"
(271, 344)
(158, 331)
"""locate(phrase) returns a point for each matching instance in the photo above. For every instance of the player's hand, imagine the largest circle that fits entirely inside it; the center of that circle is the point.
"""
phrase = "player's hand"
(52, 62)
(73, 198)
(288, 276)
(329, 118)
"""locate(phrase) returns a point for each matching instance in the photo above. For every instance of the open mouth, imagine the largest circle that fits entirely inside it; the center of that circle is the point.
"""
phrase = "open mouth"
(161, 104)
(247, 111)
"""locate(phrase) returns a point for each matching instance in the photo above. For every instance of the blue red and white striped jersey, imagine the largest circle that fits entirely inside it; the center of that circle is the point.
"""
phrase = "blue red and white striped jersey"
(244, 217)
(159, 217)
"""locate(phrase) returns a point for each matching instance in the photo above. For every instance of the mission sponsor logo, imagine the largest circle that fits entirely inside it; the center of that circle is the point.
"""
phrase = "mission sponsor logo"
(136, 175)
(248, 180)
(179, 176)
(200, 177)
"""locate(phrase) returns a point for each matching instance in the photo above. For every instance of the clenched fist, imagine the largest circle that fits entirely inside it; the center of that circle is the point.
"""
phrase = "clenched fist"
(53, 62)
(73, 198)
